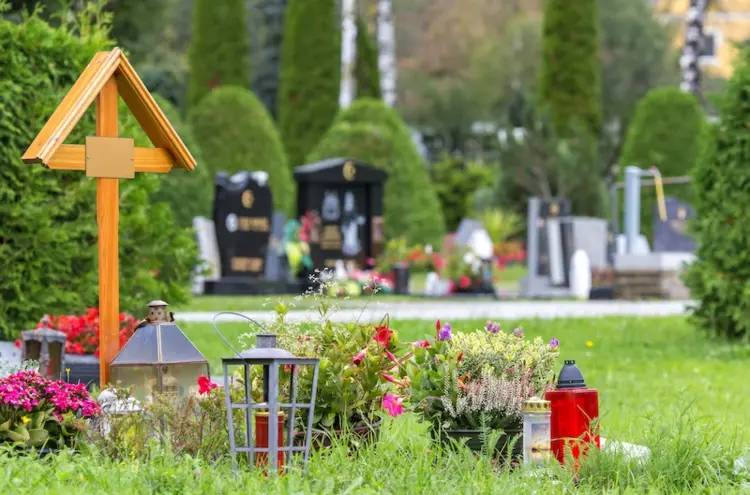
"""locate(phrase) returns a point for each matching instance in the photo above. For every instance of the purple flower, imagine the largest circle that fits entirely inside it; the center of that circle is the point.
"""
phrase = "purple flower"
(492, 327)
(554, 343)
(445, 332)
(518, 332)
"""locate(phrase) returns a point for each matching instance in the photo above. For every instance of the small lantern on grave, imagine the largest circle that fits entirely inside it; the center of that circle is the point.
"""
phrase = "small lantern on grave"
(47, 346)
(159, 359)
(264, 421)
(575, 413)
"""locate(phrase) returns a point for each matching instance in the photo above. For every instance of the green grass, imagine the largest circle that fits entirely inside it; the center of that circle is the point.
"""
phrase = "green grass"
(642, 367)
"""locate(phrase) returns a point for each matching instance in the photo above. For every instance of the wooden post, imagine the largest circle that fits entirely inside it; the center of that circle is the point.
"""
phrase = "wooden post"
(108, 217)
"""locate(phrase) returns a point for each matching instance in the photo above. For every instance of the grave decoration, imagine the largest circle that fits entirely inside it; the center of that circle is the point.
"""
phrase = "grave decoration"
(47, 347)
(670, 234)
(471, 259)
(265, 420)
(347, 195)
(108, 158)
(247, 236)
(575, 414)
(159, 358)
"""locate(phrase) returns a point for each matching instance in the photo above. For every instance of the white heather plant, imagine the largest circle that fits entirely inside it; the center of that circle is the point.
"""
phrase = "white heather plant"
(7, 369)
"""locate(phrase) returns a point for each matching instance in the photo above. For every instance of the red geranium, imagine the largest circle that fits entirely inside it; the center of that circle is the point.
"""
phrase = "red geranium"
(383, 335)
(205, 385)
(83, 331)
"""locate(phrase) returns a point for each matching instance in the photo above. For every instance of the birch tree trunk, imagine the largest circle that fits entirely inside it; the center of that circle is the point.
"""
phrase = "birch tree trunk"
(387, 51)
(348, 52)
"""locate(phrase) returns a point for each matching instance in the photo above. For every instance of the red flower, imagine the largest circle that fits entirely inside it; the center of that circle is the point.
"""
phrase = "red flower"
(205, 385)
(438, 326)
(383, 335)
(460, 357)
(464, 282)
(18, 343)
(389, 378)
(360, 356)
(422, 343)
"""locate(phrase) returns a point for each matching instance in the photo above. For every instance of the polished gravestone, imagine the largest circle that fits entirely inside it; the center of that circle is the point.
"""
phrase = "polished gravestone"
(670, 236)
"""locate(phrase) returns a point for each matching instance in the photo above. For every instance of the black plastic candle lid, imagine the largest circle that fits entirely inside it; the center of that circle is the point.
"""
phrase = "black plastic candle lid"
(570, 376)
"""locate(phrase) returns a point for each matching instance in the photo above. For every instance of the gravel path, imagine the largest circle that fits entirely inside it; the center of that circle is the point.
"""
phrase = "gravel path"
(508, 310)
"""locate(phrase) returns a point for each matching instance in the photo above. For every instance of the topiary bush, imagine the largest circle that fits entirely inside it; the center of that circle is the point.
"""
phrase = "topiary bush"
(235, 132)
(189, 194)
(571, 70)
(719, 278)
(366, 71)
(219, 49)
(48, 250)
(310, 75)
(667, 132)
(455, 182)
(370, 131)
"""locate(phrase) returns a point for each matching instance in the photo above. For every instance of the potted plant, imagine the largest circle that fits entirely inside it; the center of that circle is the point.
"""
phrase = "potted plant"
(39, 413)
(353, 358)
(466, 384)
(82, 345)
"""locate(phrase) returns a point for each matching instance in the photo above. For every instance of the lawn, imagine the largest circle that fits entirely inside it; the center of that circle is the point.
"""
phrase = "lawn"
(642, 367)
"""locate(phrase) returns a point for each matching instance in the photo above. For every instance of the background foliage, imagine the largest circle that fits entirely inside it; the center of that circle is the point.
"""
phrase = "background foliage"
(366, 70)
(235, 133)
(48, 234)
(455, 181)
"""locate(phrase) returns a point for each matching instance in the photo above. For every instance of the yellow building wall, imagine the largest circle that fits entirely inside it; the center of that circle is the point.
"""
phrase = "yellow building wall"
(728, 20)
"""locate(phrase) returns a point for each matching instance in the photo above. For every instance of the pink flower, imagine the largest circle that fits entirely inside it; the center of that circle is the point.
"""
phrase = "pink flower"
(392, 404)
(360, 356)
(205, 385)
(391, 356)
(422, 343)
(389, 378)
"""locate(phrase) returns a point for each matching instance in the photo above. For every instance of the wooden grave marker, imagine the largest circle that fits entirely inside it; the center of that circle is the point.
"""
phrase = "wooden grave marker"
(108, 158)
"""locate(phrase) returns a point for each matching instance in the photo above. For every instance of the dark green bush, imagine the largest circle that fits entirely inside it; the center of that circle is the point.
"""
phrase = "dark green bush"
(235, 132)
(719, 278)
(310, 75)
(667, 132)
(455, 181)
(366, 70)
(219, 50)
(370, 131)
(189, 194)
(571, 70)
(48, 251)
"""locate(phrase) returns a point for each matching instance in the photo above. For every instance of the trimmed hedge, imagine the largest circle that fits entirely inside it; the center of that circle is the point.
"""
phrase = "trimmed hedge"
(48, 250)
(235, 132)
(372, 132)
(719, 279)
(571, 70)
(219, 48)
(456, 181)
(310, 75)
(189, 194)
(366, 70)
(667, 132)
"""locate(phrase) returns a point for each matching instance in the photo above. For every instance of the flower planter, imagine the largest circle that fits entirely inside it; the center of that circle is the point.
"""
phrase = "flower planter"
(474, 441)
(84, 368)
(360, 437)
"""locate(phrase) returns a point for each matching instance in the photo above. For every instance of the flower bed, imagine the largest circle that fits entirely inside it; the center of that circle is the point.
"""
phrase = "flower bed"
(37, 412)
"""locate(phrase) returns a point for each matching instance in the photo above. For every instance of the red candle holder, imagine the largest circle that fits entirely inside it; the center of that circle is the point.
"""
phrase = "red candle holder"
(261, 439)
(575, 415)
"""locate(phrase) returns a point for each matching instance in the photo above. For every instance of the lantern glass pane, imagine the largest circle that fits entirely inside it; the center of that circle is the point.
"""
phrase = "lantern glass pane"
(182, 379)
(33, 349)
(54, 369)
(142, 379)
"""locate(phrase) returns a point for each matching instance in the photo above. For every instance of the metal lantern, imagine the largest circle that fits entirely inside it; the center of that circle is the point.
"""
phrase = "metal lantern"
(159, 358)
(46, 346)
(269, 416)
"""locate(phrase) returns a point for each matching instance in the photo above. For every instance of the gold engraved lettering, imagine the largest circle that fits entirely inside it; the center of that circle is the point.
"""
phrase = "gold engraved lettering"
(244, 264)
(331, 238)
(254, 224)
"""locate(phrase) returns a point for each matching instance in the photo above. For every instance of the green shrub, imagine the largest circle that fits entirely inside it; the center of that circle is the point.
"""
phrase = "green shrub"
(719, 278)
(667, 132)
(48, 250)
(189, 194)
(235, 132)
(455, 181)
(310, 75)
(370, 131)
(366, 70)
(571, 70)
(219, 50)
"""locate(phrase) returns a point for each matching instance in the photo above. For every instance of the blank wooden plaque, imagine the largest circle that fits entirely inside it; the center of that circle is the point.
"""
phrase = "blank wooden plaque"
(110, 157)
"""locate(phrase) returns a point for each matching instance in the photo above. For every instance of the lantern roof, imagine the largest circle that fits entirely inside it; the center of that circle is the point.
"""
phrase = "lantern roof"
(160, 343)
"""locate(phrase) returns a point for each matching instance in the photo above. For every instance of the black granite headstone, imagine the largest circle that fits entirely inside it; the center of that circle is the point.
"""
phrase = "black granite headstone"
(348, 197)
(670, 235)
(243, 208)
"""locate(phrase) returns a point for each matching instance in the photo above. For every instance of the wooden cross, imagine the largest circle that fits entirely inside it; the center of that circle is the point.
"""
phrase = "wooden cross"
(108, 158)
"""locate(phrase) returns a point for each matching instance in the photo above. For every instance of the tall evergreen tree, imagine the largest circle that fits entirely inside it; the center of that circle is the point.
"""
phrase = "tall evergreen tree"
(266, 52)
(571, 71)
(366, 70)
(218, 48)
(310, 75)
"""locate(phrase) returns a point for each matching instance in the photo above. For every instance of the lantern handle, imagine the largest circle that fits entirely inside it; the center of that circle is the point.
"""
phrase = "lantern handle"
(216, 329)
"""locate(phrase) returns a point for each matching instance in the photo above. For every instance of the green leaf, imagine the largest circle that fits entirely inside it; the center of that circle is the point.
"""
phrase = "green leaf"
(37, 437)
(18, 434)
